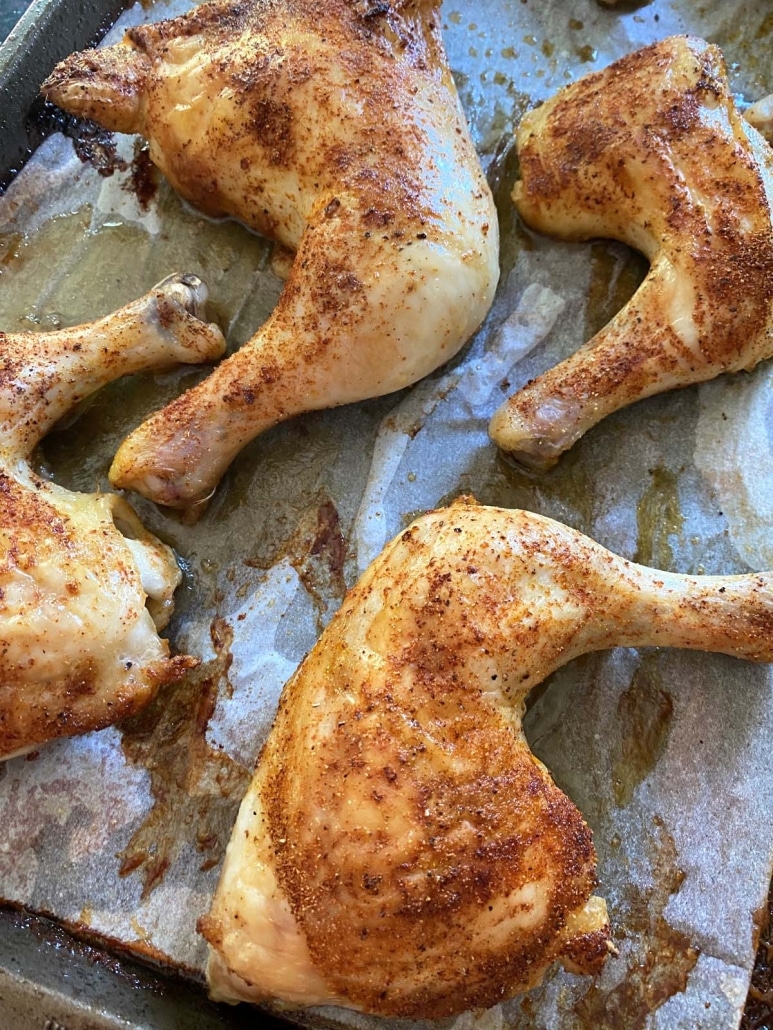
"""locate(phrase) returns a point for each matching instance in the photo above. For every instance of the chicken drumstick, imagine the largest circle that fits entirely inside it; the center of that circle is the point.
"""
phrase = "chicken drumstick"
(400, 850)
(333, 127)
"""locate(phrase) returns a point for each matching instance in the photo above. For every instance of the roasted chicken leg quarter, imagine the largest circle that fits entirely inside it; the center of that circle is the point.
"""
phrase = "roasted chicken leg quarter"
(400, 850)
(333, 127)
(84, 588)
(651, 151)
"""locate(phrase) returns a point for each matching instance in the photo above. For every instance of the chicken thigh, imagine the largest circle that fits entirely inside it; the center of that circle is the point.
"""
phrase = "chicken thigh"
(651, 151)
(84, 588)
(400, 850)
(333, 127)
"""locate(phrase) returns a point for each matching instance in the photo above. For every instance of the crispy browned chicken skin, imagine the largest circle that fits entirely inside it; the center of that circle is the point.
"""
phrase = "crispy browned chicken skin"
(84, 588)
(332, 126)
(400, 850)
(653, 152)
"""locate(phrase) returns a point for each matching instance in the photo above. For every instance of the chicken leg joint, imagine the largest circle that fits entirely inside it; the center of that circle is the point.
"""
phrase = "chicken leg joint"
(650, 151)
(84, 587)
(334, 129)
(400, 851)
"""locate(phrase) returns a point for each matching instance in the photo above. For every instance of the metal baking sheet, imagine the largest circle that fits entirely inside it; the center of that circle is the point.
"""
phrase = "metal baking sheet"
(667, 754)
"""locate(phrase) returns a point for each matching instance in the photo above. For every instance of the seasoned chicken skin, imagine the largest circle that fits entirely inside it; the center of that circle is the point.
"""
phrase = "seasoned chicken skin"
(651, 151)
(400, 850)
(83, 586)
(333, 127)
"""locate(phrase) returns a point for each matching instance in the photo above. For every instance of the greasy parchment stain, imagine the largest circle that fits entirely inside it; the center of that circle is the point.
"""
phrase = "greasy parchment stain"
(615, 274)
(663, 958)
(317, 550)
(658, 517)
(645, 710)
(194, 786)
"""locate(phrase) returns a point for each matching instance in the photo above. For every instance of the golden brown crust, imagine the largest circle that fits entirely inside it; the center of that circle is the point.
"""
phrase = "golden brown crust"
(481, 828)
(120, 85)
(587, 953)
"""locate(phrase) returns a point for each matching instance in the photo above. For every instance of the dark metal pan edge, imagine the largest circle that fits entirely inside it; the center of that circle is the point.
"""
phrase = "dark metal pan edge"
(48, 31)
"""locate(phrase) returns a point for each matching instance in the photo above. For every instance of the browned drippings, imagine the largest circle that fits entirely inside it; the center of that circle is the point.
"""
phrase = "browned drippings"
(145, 179)
(615, 274)
(10, 245)
(568, 488)
(658, 516)
(758, 1014)
(316, 548)
(318, 552)
(96, 147)
(631, 5)
(502, 173)
(644, 712)
(194, 786)
(663, 957)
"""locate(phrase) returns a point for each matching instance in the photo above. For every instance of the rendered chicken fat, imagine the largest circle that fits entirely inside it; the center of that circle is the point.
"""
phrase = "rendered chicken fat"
(400, 850)
(334, 128)
(84, 588)
(650, 151)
